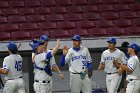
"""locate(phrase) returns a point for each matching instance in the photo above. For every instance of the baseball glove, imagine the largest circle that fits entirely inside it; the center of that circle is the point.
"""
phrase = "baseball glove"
(116, 63)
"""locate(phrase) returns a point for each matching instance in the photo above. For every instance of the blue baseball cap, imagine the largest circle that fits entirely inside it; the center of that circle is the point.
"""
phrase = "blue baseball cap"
(35, 45)
(76, 37)
(44, 38)
(134, 46)
(12, 46)
(111, 40)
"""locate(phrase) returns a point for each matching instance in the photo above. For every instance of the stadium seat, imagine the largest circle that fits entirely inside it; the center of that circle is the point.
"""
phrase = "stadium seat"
(10, 11)
(94, 1)
(16, 19)
(90, 8)
(98, 32)
(81, 32)
(111, 1)
(66, 25)
(48, 25)
(73, 17)
(5, 36)
(36, 18)
(59, 9)
(133, 30)
(4, 4)
(3, 19)
(126, 1)
(121, 7)
(92, 16)
(123, 23)
(128, 14)
(37, 34)
(63, 2)
(135, 6)
(55, 17)
(110, 15)
(33, 3)
(42, 10)
(48, 2)
(16, 3)
(56, 33)
(137, 21)
(104, 23)
(106, 7)
(27, 11)
(79, 2)
(85, 24)
(116, 31)
(28, 26)
(20, 35)
(10, 27)
(74, 9)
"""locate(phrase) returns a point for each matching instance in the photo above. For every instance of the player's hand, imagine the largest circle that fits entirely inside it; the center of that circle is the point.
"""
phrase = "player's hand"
(58, 43)
(120, 71)
(61, 76)
(116, 63)
(65, 50)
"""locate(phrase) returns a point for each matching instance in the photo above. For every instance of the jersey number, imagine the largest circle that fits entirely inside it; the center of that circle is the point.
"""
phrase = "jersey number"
(84, 63)
(18, 65)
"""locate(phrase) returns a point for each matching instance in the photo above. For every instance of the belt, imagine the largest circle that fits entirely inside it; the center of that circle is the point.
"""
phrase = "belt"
(42, 81)
(111, 73)
(75, 73)
(15, 78)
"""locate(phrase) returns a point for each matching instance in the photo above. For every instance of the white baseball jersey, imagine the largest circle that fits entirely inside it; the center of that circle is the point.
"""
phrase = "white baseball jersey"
(40, 62)
(107, 58)
(13, 63)
(134, 65)
(78, 59)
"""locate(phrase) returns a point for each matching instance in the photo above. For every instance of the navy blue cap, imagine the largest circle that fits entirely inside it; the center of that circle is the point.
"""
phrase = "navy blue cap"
(134, 46)
(76, 37)
(44, 38)
(35, 41)
(111, 40)
(12, 46)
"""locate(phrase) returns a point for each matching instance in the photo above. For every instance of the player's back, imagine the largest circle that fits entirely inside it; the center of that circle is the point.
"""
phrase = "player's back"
(13, 63)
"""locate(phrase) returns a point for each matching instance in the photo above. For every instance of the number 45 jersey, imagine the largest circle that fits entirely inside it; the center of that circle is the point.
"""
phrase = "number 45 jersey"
(13, 63)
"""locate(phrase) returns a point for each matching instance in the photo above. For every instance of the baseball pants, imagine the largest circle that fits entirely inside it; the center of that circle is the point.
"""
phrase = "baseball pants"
(113, 82)
(14, 86)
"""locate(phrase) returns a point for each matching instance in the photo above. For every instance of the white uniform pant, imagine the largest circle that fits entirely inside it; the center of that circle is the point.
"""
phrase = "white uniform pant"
(40, 87)
(14, 86)
(77, 84)
(133, 86)
(113, 82)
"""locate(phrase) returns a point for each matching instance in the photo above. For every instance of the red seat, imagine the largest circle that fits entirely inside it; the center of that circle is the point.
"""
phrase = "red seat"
(37, 34)
(121, 7)
(81, 32)
(90, 8)
(59, 9)
(43, 10)
(56, 33)
(92, 16)
(73, 17)
(111, 1)
(10, 11)
(21, 35)
(74, 9)
(55, 17)
(48, 25)
(64, 2)
(33, 3)
(98, 32)
(29, 26)
(3, 19)
(137, 21)
(86, 24)
(66, 25)
(27, 11)
(17, 18)
(123, 22)
(16, 3)
(48, 2)
(110, 15)
(4, 4)
(10, 27)
(94, 1)
(116, 31)
(79, 2)
(126, 1)
(135, 6)
(128, 14)
(5, 36)
(36, 18)
(133, 30)
(1, 12)
(104, 23)
(106, 7)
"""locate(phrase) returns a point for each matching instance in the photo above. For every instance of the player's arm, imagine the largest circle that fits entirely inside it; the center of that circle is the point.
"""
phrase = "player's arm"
(102, 63)
(5, 68)
(33, 57)
(56, 69)
(126, 68)
(55, 49)
(3, 71)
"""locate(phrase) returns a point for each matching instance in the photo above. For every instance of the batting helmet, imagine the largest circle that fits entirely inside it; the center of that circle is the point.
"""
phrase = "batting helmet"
(76, 37)
(111, 40)
(12, 46)
(44, 38)
(134, 46)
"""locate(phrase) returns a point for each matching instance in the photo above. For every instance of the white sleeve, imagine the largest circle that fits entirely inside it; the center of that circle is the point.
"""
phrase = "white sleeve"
(88, 56)
(123, 58)
(52, 61)
(102, 58)
(68, 56)
(132, 64)
(6, 64)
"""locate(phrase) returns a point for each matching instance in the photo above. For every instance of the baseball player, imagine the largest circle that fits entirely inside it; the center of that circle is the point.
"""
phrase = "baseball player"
(43, 65)
(80, 63)
(132, 68)
(113, 76)
(12, 68)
